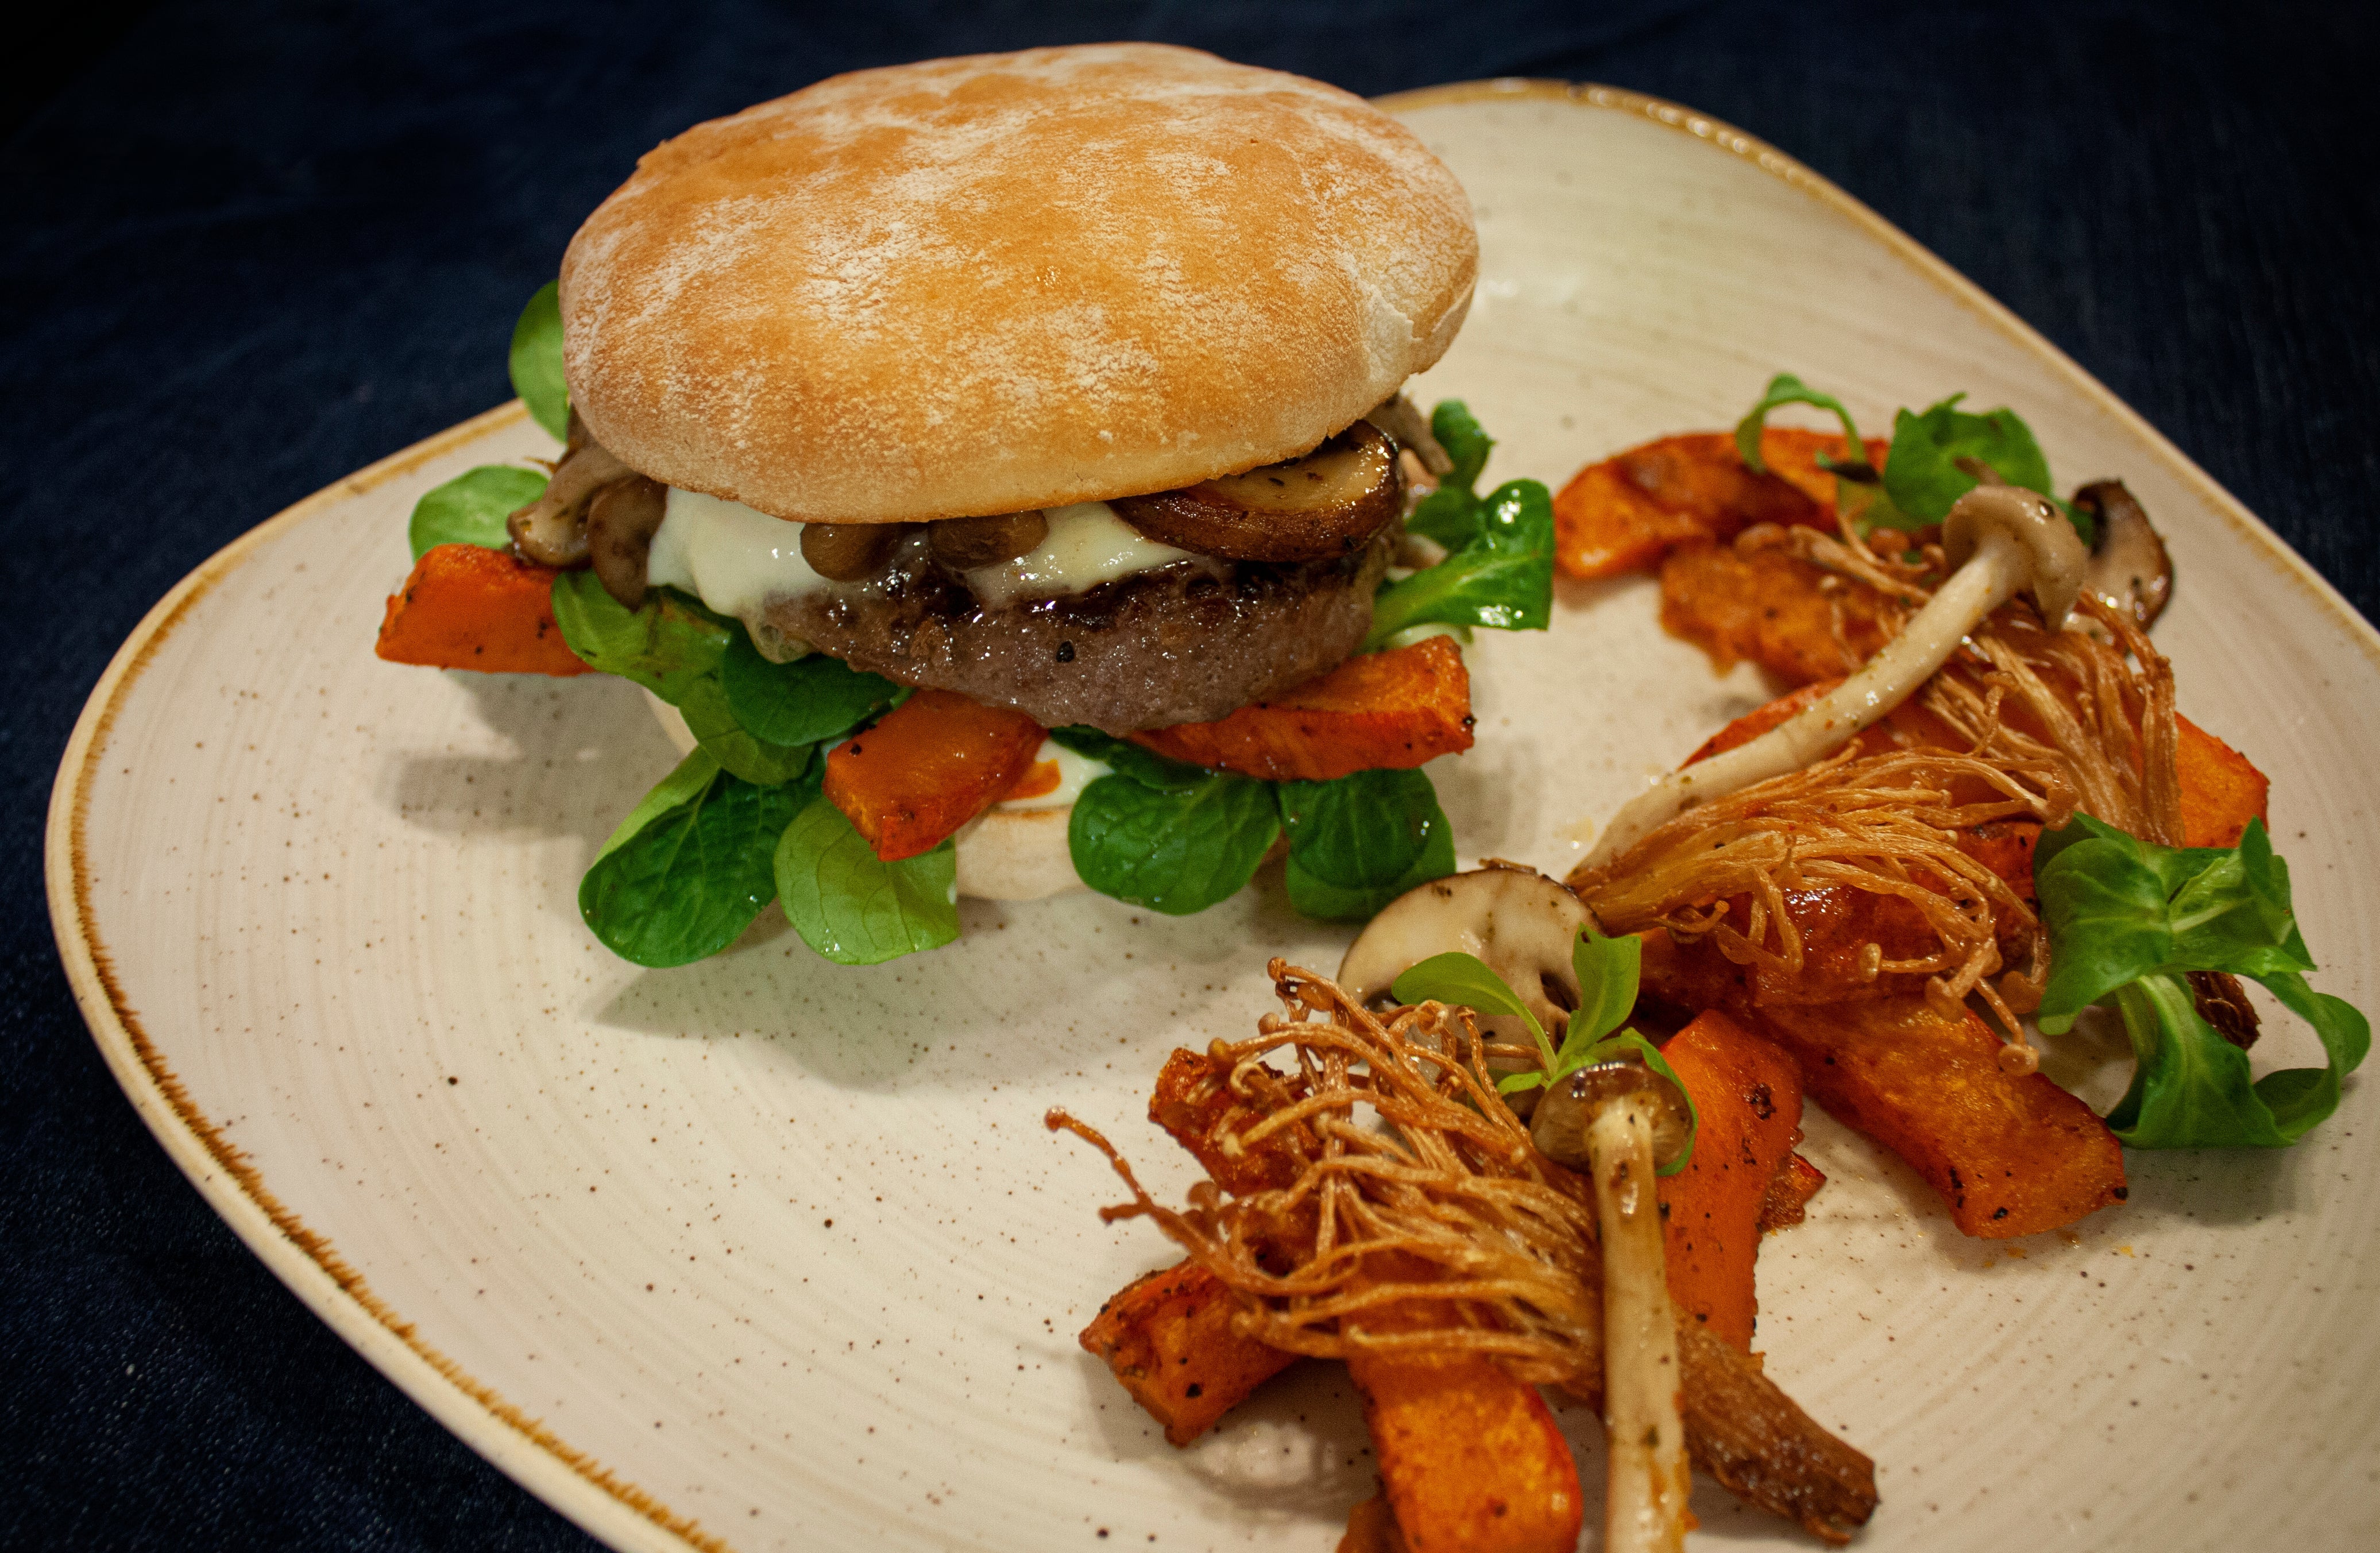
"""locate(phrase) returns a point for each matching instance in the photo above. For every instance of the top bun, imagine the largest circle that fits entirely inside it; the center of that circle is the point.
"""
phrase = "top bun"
(980, 285)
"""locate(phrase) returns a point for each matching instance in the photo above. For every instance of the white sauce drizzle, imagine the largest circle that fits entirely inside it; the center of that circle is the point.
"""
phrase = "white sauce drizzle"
(1074, 773)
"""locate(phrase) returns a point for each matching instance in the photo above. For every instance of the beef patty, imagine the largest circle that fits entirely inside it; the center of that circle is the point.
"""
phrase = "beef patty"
(1187, 643)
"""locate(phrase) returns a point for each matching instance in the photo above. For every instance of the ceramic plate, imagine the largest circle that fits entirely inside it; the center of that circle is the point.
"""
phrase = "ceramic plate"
(764, 1254)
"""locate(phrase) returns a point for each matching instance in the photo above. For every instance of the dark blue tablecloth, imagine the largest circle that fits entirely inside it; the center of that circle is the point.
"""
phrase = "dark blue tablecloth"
(249, 248)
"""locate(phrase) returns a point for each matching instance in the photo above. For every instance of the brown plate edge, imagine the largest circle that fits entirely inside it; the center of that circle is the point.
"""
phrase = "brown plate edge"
(572, 1482)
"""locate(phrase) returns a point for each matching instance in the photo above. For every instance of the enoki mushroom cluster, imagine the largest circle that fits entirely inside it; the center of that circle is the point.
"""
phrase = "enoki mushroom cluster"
(2036, 722)
(1442, 1231)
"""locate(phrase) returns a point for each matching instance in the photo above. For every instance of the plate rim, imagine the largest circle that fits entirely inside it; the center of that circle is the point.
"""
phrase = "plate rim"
(571, 1482)
(617, 1512)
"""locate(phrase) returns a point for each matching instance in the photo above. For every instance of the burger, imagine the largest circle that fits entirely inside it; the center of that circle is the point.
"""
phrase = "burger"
(1000, 465)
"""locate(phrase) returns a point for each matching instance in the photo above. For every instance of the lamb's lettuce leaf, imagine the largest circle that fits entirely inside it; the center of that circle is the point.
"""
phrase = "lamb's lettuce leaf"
(1160, 833)
(689, 869)
(676, 649)
(1178, 852)
(470, 509)
(1126, 758)
(1502, 576)
(1606, 971)
(851, 906)
(1451, 514)
(713, 722)
(1177, 838)
(1465, 439)
(666, 645)
(537, 361)
(1466, 980)
(1922, 472)
(1923, 475)
(812, 700)
(689, 782)
(1786, 389)
(1358, 843)
(2127, 921)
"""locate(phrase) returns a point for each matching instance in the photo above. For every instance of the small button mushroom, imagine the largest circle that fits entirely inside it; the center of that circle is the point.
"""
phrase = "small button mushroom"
(2000, 541)
(850, 552)
(2128, 565)
(1516, 921)
(965, 544)
(1559, 1127)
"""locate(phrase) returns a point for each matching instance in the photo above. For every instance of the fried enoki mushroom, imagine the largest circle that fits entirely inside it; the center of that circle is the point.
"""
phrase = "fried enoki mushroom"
(2024, 724)
(1433, 1226)
(1507, 1237)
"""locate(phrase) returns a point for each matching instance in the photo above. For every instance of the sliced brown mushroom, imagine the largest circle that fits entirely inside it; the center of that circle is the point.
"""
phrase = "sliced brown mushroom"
(1405, 424)
(551, 530)
(850, 552)
(621, 520)
(1326, 503)
(2129, 565)
(965, 544)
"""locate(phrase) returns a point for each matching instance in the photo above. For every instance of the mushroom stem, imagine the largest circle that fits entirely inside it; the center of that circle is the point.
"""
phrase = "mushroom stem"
(2012, 540)
(1649, 1478)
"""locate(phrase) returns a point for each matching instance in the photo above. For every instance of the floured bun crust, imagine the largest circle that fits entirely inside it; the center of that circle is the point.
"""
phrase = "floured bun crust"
(978, 286)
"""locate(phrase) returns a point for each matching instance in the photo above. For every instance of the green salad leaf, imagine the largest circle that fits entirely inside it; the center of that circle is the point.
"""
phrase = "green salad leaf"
(666, 645)
(682, 785)
(1164, 834)
(1786, 389)
(1360, 842)
(1126, 758)
(1606, 971)
(537, 361)
(1922, 474)
(1503, 576)
(713, 722)
(689, 869)
(812, 700)
(1464, 979)
(2127, 922)
(1465, 439)
(851, 906)
(678, 650)
(470, 509)
(1178, 852)
(1922, 477)
(1451, 514)
(1177, 838)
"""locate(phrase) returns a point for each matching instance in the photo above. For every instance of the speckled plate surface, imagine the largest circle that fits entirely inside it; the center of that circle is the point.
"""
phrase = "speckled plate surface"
(763, 1253)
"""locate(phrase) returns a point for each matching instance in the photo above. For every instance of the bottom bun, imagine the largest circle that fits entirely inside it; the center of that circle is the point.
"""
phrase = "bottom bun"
(1003, 855)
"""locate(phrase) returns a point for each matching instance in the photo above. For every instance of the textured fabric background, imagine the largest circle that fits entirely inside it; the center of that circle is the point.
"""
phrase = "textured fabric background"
(252, 247)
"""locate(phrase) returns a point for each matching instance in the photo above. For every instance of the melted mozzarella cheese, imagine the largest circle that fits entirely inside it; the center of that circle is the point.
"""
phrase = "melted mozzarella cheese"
(734, 559)
(1087, 544)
